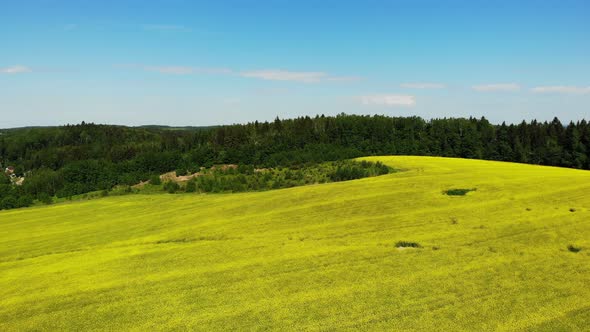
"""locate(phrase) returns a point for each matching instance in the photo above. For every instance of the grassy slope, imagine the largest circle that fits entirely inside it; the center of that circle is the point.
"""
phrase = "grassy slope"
(316, 257)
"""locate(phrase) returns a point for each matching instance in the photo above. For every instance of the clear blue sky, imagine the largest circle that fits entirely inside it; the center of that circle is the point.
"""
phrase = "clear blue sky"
(216, 62)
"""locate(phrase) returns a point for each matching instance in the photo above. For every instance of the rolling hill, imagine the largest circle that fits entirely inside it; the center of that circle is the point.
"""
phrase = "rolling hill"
(320, 257)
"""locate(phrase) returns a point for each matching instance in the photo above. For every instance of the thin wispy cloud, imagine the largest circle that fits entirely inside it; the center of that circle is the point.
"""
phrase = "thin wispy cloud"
(343, 79)
(18, 69)
(497, 87)
(388, 100)
(186, 70)
(164, 27)
(422, 85)
(284, 75)
(562, 89)
(296, 76)
(265, 74)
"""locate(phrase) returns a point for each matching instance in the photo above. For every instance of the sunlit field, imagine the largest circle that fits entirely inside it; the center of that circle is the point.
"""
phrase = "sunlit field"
(511, 254)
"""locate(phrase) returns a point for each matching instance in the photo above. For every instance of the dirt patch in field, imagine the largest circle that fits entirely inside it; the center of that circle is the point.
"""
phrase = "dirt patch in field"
(140, 185)
(171, 176)
(224, 167)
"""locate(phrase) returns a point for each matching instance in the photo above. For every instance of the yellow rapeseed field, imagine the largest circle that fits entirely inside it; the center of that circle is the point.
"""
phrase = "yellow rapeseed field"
(320, 257)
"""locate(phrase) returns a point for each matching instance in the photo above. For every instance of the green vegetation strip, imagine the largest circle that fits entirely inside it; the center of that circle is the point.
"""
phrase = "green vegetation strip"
(67, 161)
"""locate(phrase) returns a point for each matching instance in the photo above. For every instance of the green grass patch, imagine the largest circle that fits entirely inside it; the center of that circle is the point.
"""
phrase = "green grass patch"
(458, 191)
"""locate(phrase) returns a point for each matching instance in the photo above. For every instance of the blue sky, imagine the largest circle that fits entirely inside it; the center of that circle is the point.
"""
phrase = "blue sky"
(217, 62)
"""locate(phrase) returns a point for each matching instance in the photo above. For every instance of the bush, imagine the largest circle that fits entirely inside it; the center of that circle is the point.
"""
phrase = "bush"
(171, 187)
(191, 186)
(155, 180)
(458, 192)
(25, 201)
(45, 198)
(4, 179)
(8, 203)
(573, 248)
(407, 244)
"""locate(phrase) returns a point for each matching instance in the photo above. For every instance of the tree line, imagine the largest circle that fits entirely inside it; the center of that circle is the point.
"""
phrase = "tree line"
(74, 159)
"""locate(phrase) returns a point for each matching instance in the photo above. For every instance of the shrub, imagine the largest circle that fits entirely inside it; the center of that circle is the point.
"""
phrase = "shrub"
(573, 248)
(25, 201)
(458, 191)
(4, 179)
(407, 244)
(171, 187)
(191, 186)
(45, 198)
(8, 203)
(155, 180)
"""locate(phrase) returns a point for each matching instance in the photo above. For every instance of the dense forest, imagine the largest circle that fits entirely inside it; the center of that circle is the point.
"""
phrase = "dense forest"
(74, 159)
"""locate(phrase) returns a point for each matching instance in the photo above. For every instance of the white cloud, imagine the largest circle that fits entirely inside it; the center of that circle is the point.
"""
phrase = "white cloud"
(578, 90)
(296, 76)
(15, 70)
(502, 87)
(422, 85)
(388, 100)
(186, 70)
(283, 75)
(266, 74)
(343, 78)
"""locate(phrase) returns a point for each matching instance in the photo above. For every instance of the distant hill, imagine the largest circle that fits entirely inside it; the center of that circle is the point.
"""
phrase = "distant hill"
(156, 127)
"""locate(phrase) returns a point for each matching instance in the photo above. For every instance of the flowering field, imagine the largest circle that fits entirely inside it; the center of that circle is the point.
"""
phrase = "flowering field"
(510, 251)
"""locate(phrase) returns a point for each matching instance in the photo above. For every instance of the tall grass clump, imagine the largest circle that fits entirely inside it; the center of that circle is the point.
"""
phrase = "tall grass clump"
(407, 244)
